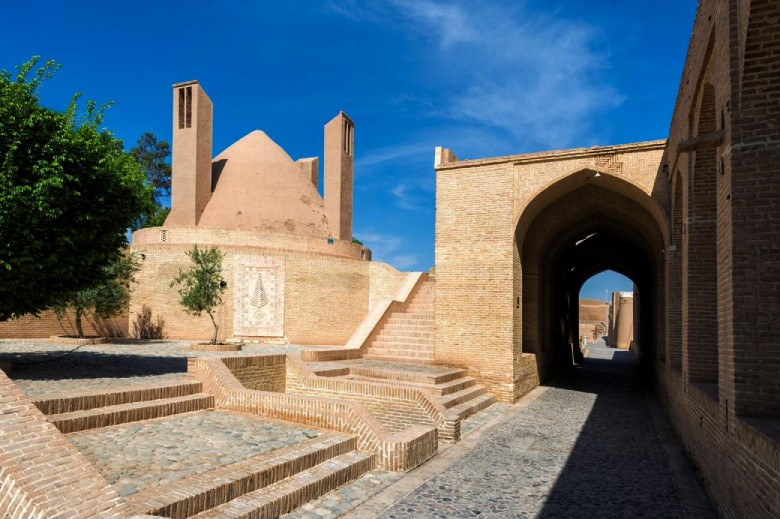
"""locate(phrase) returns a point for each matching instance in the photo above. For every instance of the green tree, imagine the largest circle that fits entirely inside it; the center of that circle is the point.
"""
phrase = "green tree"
(107, 298)
(68, 194)
(152, 155)
(201, 286)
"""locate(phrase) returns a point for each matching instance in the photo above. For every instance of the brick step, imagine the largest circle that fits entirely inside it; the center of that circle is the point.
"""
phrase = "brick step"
(412, 315)
(413, 309)
(453, 386)
(131, 412)
(403, 343)
(400, 352)
(412, 319)
(464, 395)
(473, 406)
(422, 301)
(186, 497)
(405, 360)
(422, 383)
(331, 372)
(410, 328)
(412, 338)
(400, 374)
(287, 495)
(56, 403)
(400, 339)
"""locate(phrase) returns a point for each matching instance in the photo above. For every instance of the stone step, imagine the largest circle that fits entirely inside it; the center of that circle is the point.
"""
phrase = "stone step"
(130, 412)
(464, 395)
(473, 406)
(56, 403)
(186, 497)
(453, 386)
(287, 495)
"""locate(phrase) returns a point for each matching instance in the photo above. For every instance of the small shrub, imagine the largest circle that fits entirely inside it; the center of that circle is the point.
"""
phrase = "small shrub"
(145, 328)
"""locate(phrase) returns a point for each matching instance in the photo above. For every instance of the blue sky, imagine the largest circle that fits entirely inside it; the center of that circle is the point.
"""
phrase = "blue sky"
(481, 78)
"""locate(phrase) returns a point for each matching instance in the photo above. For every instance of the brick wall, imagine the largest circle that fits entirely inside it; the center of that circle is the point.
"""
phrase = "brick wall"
(384, 282)
(325, 297)
(474, 274)
(264, 373)
(724, 285)
(47, 325)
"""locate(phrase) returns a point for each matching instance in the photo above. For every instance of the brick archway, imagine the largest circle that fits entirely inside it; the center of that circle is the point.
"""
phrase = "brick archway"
(501, 222)
(598, 224)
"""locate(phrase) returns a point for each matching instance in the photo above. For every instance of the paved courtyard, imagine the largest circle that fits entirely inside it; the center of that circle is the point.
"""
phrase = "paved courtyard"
(139, 455)
(586, 448)
(46, 367)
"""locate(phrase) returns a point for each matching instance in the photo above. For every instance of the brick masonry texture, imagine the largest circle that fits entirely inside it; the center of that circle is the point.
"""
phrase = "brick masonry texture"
(47, 325)
(325, 297)
(693, 220)
(698, 211)
(42, 475)
(395, 450)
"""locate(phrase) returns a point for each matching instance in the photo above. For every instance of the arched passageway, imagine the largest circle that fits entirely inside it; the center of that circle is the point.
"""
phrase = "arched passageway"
(584, 224)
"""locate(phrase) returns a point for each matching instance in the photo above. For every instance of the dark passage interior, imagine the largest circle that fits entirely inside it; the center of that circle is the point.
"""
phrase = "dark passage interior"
(579, 227)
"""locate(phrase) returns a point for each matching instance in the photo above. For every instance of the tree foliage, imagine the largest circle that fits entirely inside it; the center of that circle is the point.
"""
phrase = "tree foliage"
(68, 194)
(152, 155)
(106, 298)
(201, 286)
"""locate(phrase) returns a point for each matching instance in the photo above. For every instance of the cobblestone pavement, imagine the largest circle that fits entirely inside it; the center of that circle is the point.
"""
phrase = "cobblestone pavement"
(475, 421)
(139, 455)
(104, 366)
(585, 448)
(349, 496)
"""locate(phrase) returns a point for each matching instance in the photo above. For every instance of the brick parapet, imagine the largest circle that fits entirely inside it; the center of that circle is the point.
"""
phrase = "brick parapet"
(396, 451)
(300, 379)
(42, 475)
(265, 239)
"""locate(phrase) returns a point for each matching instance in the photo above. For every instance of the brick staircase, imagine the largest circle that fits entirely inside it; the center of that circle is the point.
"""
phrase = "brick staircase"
(453, 388)
(406, 335)
(78, 412)
(263, 486)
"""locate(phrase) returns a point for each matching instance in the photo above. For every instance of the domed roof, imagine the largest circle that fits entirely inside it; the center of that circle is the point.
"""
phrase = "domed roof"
(258, 186)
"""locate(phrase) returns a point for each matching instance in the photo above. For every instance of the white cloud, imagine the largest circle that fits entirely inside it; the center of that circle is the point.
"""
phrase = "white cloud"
(404, 198)
(536, 77)
(391, 154)
(388, 249)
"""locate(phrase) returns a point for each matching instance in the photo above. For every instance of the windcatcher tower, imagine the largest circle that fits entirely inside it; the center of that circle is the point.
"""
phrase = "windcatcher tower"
(339, 159)
(191, 161)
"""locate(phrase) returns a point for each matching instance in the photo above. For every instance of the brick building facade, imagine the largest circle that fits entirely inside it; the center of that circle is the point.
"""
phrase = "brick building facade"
(691, 220)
